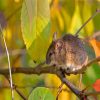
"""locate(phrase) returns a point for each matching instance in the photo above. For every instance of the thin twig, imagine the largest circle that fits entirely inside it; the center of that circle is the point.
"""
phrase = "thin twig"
(21, 95)
(13, 13)
(59, 90)
(97, 11)
(92, 93)
(9, 65)
(80, 82)
(75, 90)
(16, 89)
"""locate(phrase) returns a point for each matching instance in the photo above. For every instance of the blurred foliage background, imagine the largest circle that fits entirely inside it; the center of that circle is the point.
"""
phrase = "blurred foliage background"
(66, 16)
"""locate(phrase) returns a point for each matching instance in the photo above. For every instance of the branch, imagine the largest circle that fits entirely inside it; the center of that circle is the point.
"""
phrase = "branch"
(36, 70)
(41, 69)
(62, 77)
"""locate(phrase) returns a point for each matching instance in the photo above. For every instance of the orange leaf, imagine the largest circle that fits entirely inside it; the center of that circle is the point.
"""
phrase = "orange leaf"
(95, 41)
(96, 46)
(96, 85)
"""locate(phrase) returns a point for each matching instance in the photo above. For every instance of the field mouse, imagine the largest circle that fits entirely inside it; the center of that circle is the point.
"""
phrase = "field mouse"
(67, 53)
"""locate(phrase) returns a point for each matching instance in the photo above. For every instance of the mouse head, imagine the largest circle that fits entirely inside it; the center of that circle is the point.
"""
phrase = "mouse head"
(54, 51)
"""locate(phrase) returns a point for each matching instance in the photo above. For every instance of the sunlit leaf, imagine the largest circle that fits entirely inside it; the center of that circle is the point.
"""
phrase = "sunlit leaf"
(35, 22)
(41, 93)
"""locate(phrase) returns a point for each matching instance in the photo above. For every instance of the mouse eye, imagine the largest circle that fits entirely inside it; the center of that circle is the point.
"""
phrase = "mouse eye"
(50, 54)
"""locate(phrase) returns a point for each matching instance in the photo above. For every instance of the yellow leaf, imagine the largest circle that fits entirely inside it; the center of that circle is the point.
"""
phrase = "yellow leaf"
(66, 18)
(89, 28)
(76, 22)
(60, 20)
(35, 22)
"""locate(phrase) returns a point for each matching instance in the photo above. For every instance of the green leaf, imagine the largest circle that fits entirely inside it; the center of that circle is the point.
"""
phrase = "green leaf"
(41, 93)
(91, 75)
(35, 23)
(92, 72)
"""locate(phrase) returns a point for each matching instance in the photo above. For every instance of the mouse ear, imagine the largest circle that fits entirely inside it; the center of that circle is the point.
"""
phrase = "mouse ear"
(59, 44)
(54, 36)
